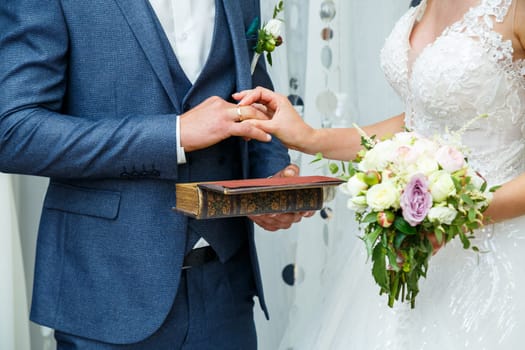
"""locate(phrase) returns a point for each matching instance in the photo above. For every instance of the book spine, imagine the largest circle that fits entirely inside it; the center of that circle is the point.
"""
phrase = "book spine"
(216, 205)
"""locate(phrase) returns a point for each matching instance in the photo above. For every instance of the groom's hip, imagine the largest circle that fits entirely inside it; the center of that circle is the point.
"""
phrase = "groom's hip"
(213, 309)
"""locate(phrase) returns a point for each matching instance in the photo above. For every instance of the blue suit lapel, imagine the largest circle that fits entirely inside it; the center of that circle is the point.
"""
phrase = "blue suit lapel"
(240, 47)
(140, 18)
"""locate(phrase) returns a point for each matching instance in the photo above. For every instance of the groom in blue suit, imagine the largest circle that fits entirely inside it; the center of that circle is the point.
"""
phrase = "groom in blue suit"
(108, 100)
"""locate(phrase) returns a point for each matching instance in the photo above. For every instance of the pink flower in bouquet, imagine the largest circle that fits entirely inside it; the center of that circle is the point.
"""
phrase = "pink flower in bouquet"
(385, 218)
(406, 154)
(416, 200)
(450, 158)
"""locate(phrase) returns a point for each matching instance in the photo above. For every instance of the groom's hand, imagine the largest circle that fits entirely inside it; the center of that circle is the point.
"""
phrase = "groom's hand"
(274, 222)
(215, 120)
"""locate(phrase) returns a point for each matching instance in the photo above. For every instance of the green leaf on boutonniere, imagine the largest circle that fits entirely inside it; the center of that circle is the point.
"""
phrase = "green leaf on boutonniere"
(253, 28)
(268, 37)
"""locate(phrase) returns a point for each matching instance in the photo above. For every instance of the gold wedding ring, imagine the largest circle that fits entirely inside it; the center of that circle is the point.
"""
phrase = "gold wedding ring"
(239, 113)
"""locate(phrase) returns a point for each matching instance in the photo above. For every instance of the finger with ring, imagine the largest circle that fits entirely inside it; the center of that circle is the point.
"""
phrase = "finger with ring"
(239, 113)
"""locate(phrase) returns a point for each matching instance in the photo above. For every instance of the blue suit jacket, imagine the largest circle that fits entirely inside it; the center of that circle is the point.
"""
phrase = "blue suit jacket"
(88, 99)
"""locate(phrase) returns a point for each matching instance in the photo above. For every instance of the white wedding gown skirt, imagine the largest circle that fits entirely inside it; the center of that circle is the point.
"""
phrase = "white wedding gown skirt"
(469, 300)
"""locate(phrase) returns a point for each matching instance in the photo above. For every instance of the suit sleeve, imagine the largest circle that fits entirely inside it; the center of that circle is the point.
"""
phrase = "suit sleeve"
(36, 137)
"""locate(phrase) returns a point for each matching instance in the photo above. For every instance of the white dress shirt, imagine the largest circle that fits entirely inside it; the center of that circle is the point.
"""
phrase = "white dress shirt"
(189, 26)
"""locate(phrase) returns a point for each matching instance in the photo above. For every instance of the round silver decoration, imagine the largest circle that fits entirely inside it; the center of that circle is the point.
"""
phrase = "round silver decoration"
(327, 34)
(295, 100)
(294, 83)
(326, 213)
(288, 274)
(326, 57)
(299, 275)
(326, 102)
(328, 10)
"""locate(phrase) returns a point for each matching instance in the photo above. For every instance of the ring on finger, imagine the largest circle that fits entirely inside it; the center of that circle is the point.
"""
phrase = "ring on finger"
(239, 113)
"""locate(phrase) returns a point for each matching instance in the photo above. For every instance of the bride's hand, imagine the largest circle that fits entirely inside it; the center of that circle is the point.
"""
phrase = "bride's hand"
(436, 246)
(283, 120)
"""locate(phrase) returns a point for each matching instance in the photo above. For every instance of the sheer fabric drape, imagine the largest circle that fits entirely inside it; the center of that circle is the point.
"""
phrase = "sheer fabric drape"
(318, 246)
(14, 323)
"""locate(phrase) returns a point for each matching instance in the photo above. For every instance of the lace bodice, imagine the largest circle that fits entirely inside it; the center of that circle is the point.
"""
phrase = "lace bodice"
(467, 71)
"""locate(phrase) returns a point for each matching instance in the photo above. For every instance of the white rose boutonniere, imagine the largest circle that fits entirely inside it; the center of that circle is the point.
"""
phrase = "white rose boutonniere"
(268, 37)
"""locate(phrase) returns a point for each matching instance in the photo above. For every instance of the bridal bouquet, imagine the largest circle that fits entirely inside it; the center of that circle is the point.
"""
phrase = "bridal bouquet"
(411, 195)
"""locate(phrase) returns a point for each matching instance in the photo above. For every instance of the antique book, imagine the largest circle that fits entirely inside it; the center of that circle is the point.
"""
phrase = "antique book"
(219, 199)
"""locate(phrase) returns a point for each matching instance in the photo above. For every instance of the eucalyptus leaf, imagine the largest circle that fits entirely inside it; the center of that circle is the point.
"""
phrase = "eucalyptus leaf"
(472, 213)
(439, 235)
(403, 226)
(464, 240)
(370, 239)
(379, 270)
(318, 157)
(392, 260)
(370, 218)
(466, 198)
(334, 168)
(398, 240)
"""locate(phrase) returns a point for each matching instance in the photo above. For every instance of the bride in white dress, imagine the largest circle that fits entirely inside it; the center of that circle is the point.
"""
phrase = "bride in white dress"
(450, 61)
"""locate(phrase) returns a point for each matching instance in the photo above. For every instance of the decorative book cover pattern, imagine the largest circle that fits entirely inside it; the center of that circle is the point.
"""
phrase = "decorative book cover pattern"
(207, 200)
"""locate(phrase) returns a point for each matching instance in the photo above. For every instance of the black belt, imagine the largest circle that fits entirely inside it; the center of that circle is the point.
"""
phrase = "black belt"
(198, 257)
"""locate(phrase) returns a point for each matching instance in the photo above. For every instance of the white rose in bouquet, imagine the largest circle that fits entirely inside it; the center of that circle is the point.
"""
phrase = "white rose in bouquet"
(442, 215)
(450, 158)
(383, 196)
(441, 185)
(357, 204)
(378, 157)
(354, 186)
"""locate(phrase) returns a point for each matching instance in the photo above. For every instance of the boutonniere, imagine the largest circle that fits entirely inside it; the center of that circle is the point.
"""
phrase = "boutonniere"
(268, 36)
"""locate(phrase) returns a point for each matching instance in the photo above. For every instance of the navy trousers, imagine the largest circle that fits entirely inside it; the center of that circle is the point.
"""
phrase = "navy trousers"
(213, 309)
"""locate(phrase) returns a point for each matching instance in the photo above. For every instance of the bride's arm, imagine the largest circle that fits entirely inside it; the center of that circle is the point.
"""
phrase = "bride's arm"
(289, 127)
(508, 201)
(344, 143)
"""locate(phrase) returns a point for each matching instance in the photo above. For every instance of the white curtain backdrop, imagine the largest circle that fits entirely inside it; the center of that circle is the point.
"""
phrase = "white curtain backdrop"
(360, 28)
(28, 193)
(14, 324)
